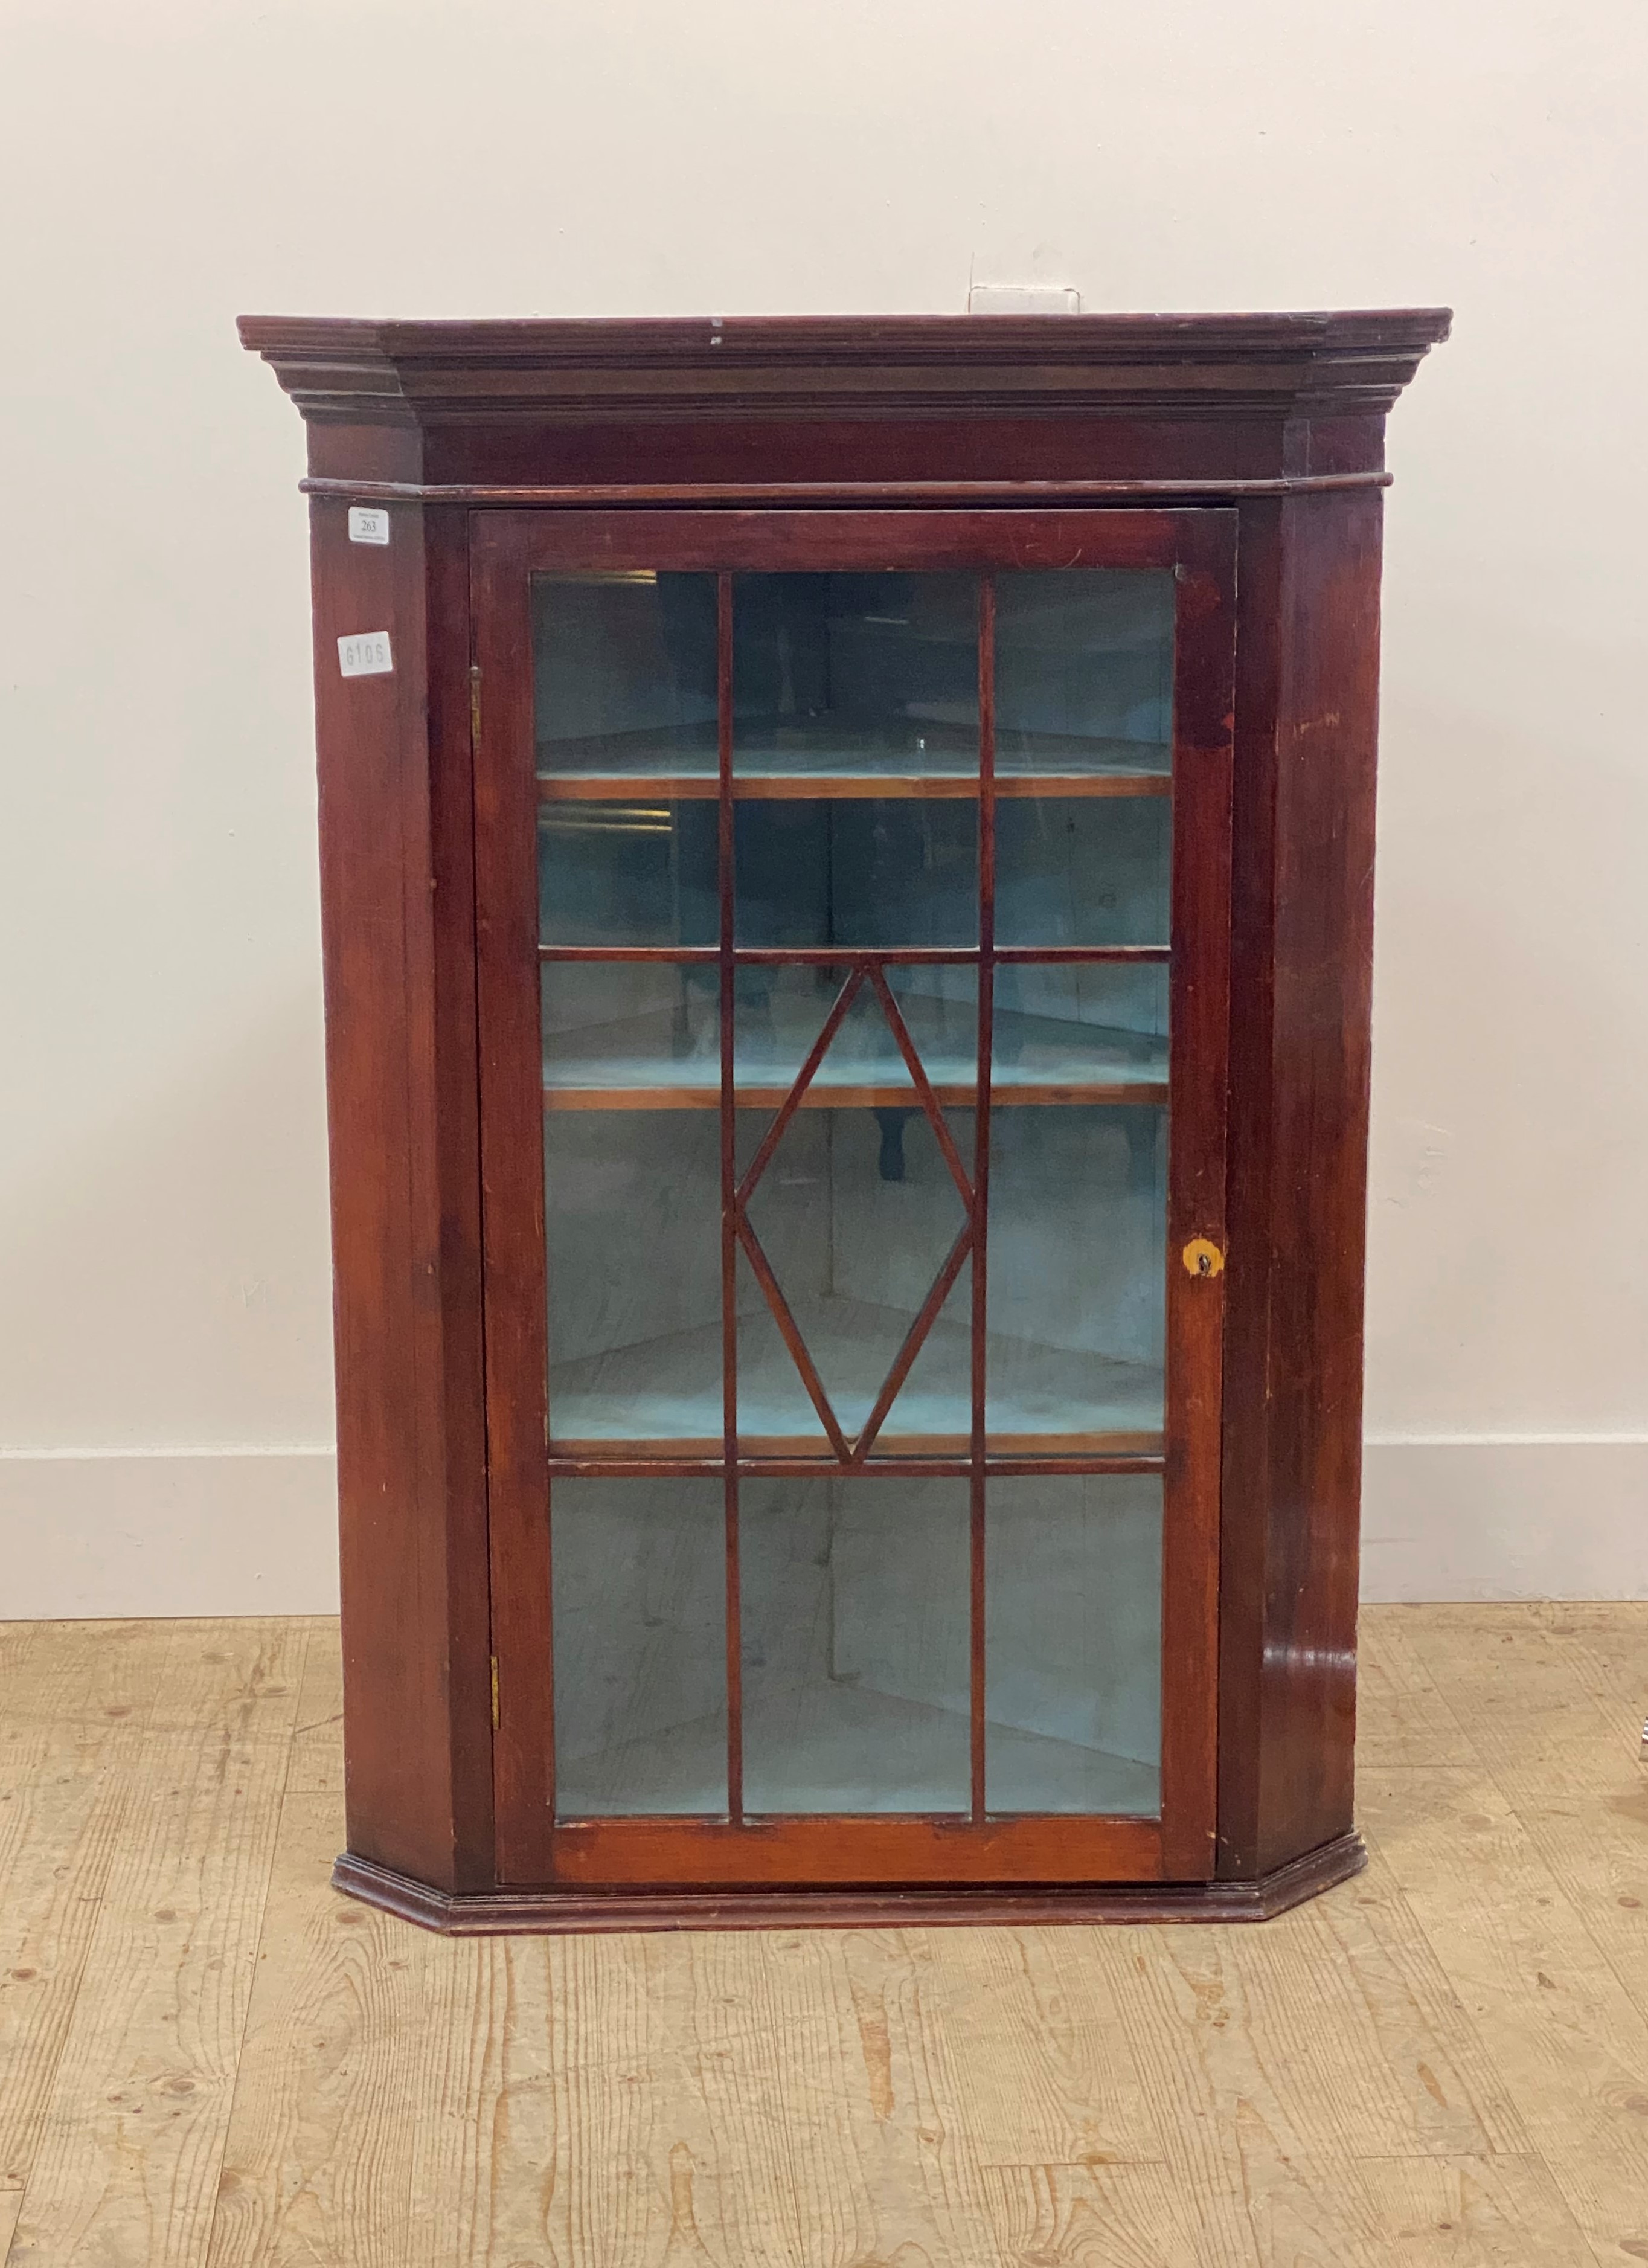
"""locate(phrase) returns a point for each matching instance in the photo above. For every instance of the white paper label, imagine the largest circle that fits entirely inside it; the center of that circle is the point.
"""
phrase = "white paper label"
(366, 654)
(1023, 300)
(368, 522)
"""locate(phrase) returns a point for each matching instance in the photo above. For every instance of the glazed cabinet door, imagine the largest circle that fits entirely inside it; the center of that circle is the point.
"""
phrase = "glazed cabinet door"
(853, 895)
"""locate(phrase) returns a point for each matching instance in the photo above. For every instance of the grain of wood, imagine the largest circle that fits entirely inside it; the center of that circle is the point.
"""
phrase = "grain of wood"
(879, 2076)
(1045, 2071)
(1471, 2213)
(317, 1753)
(1441, 2065)
(1569, 2043)
(1268, 2176)
(1567, 1762)
(1091, 2215)
(86, 1671)
(127, 2167)
(76, 1715)
(484, 2162)
(18, 1643)
(11, 2205)
(317, 2160)
(1402, 1715)
(1607, 1646)
(1351, 2011)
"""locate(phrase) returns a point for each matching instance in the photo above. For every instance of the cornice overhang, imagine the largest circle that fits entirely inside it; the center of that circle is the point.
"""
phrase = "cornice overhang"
(663, 370)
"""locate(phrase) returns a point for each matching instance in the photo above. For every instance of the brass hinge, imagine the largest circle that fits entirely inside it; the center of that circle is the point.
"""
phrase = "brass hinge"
(475, 704)
(494, 1706)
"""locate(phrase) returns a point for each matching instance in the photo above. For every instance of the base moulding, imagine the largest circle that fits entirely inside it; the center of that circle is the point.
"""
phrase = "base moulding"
(527, 1912)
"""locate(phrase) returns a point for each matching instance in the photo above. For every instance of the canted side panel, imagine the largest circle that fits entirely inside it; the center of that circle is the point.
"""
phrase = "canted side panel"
(1326, 757)
(401, 1111)
(367, 450)
(1301, 1002)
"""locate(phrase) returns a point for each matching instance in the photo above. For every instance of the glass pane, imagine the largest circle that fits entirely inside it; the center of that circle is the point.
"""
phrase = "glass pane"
(632, 1205)
(1076, 1292)
(631, 1026)
(1084, 870)
(1072, 1645)
(856, 1212)
(863, 871)
(1062, 1025)
(624, 669)
(1084, 671)
(627, 873)
(855, 1637)
(856, 674)
(640, 1646)
(781, 1012)
(653, 1030)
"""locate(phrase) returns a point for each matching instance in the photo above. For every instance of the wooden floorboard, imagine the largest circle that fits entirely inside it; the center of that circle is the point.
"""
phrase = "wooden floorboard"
(208, 2059)
(74, 1716)
(131, 2139)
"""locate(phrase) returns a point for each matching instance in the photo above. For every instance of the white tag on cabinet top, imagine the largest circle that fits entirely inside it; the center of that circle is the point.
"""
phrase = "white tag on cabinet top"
(365, 654)
(368, 522)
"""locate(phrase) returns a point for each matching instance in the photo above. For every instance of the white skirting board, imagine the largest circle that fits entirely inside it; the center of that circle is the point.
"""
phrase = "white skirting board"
(253, 1531)
(164, 1532)
(1523, 1517)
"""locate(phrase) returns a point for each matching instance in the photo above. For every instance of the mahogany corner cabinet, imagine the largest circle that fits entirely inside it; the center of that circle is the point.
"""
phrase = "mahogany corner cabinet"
(847, 876)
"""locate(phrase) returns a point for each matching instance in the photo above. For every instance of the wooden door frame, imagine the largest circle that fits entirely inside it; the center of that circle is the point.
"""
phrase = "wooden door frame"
(506, 547)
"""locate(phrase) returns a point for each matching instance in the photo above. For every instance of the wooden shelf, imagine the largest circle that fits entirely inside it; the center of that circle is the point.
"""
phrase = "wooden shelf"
(827, 787)
(662, 1397)
(628, 1066)
(823, 763)
(1004, 1093)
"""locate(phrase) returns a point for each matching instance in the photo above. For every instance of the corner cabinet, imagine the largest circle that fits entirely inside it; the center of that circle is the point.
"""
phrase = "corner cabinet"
(847, 881)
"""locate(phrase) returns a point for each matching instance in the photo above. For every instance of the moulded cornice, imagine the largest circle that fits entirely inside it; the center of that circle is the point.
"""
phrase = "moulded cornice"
(665, 369)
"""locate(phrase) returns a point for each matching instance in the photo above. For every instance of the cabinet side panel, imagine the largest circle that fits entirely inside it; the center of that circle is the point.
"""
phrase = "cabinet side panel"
(398, 1227)
(1299, 1167)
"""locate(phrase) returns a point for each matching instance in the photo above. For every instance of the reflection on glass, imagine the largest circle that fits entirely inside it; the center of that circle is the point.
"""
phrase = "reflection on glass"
(1084, 870)
(1061, 1025)
(645, 1029)
(652, 1031)
(627, 873)
(855, 1639)
(857, 1213)
(624, 670)
(855, 696)
(857, 871)
(632, 1217)
(1077, 1296)
(782, 1010)
(640, 1647)
(1084, 671)
(850, 674)
(1072, 1645)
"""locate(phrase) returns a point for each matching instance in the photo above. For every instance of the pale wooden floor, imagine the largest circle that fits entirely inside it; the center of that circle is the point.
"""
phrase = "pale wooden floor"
(206, 2057)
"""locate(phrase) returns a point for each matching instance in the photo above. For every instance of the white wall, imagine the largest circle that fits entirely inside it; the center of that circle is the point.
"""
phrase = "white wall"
(162, 1267)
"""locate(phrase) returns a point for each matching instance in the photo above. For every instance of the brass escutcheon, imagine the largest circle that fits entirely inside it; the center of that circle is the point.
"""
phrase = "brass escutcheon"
(1202, 1258)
